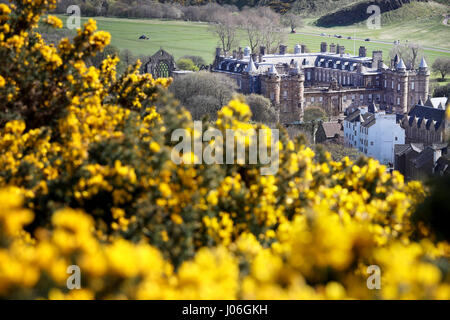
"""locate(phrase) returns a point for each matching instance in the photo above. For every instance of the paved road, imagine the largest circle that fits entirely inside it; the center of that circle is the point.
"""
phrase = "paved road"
(372, 41)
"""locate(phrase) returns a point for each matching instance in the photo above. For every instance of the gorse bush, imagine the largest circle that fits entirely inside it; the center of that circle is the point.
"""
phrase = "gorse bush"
(87, 178)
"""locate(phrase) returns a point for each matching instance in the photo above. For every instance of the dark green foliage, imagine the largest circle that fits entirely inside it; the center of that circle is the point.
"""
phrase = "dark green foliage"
(434, 211)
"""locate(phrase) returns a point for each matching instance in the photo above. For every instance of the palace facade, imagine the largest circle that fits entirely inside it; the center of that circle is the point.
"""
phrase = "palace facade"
(330, 79)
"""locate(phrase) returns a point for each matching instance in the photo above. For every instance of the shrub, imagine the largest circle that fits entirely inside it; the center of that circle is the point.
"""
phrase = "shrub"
(86, 179)
(314, 114)
(186, 64)
(261, 108)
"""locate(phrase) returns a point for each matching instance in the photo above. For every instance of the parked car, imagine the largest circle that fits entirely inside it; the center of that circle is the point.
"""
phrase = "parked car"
(323, 34)
(349, 37)
(367, 39)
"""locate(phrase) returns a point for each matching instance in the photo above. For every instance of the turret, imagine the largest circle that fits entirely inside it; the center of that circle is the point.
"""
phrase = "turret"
(423, 79)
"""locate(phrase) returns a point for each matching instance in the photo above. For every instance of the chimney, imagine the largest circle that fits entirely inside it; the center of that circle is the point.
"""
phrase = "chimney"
(338, 48)
(262, 50)
(218, 50)
(377, 56)
(283, 49)
(240, 54)
(362, 51)
(303, 48)
(234, 54)
(341, 50)
(323, 47)
(332, 48)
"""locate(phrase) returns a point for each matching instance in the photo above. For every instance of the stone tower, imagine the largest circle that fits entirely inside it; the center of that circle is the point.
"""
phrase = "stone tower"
(403, 94)
(291, 105)
(423, 81)
(270, 86)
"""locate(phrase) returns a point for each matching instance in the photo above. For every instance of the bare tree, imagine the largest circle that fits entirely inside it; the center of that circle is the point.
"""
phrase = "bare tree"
(292, 21)
(225, 28)
(411, 53)
(252, 24)
(271, 30)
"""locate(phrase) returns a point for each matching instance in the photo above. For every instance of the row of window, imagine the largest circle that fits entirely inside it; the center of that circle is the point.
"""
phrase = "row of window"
(398, 85)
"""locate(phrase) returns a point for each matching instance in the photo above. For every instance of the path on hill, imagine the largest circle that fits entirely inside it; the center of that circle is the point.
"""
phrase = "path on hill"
(372, 41)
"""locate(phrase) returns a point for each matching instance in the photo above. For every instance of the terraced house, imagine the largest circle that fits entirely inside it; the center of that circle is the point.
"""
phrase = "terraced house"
(330, 79)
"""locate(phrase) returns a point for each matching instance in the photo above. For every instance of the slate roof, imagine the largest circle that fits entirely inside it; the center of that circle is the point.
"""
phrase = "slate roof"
(423, 63)
(431, 115)
(401, 65)
(426, 156)
(400, 149)
(442, 165)
(357, 116)
(369, 120)
(332, 129)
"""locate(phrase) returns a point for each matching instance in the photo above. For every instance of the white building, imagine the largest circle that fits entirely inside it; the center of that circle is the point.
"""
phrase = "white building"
(373, 133)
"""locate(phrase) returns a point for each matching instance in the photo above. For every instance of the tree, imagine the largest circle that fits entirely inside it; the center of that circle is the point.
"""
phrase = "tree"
(441, 65)
(271, 30)
(442, 91)
(198, 61)
(127, 57)
(261, 107)
(314, 113)
(186, 64)
(291, 20)
(411, 53)
(252, 24)
(203, 92)
(225, 28)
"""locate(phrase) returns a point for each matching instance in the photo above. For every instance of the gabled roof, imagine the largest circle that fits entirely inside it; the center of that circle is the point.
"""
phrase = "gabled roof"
(426, 113)
(353, 116)
(426, 156)
(372, 108)
(435, 102)
(400, 149)
(332, 129)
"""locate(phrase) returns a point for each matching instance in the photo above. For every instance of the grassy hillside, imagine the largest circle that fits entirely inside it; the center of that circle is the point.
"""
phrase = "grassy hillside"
(180, 38)
(418, 22)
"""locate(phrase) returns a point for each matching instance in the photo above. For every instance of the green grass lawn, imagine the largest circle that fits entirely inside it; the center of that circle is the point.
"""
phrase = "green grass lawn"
(177, 37)
(182, 38)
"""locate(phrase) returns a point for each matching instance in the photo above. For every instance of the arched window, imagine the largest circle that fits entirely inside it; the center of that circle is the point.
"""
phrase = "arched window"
(162, 70)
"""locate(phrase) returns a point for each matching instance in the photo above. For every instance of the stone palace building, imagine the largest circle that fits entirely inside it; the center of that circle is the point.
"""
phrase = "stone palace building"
(330, 79)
